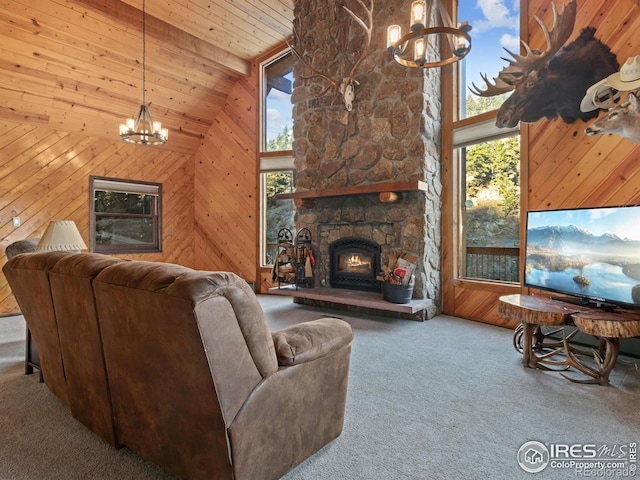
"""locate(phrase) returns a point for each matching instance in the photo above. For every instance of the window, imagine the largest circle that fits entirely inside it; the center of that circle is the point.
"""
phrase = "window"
(490, 210)
(125, 216)
(279, 213)
(276, 158)
(488, 157)
(277, 85)
(495, 26)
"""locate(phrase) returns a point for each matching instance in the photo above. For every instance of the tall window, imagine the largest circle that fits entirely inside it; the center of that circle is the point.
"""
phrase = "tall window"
(276, 158)
(488, 157)
(277, 86)
(495, 26)
(125, 216)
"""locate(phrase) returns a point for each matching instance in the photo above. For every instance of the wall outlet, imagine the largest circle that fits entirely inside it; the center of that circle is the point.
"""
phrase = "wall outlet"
(16, 221)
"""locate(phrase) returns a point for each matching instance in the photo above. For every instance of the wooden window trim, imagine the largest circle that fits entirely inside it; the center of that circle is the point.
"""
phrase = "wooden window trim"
(126, 186)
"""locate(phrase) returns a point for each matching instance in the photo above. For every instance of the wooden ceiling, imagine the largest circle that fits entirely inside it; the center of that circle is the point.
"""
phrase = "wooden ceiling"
(76, 65)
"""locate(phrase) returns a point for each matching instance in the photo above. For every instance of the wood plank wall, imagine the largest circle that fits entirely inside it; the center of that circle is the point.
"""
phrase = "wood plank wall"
(44, 176)
(226, 186)
(209, 199)
(74, 65)
(55, 82)
(566, 167)
(563, 168)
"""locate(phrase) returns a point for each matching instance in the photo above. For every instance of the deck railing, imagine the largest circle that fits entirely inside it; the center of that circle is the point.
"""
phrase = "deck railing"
(493, 263)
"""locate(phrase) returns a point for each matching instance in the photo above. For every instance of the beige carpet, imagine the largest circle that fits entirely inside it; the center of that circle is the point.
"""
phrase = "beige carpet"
(444, 399)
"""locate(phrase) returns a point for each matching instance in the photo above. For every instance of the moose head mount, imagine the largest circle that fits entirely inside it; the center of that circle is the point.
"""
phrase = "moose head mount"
(346, 85)
(551, 83)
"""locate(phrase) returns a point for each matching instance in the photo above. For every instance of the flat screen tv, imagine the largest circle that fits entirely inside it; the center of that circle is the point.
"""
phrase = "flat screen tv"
(591, 255)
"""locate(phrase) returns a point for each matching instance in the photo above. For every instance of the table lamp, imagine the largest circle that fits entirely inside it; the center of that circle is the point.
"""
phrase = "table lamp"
(62, 235)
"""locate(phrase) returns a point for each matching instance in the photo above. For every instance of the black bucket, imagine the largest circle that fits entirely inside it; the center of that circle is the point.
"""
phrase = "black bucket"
(397, 293)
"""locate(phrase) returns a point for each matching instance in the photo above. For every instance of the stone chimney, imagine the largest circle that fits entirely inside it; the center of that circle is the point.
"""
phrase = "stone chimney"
(391, 135)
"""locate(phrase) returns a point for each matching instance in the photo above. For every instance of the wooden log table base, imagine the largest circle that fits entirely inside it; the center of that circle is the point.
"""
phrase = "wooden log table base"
(544, 350)
(538, 347)
(608, 328)
(541, 351)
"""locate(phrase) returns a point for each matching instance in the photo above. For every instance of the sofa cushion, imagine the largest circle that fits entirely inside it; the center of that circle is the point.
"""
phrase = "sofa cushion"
(71, 281)
(308, 341)
(28, 277)
(196, 286)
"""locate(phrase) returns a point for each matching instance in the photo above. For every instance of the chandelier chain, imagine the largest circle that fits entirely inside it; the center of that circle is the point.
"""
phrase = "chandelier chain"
(142, 130)
(144, 54)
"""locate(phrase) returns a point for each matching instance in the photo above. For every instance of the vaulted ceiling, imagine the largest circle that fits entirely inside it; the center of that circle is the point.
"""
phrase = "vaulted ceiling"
(76, 65)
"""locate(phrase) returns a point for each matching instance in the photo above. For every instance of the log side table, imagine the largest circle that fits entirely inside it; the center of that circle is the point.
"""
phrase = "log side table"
(534, 312)
(608, 327)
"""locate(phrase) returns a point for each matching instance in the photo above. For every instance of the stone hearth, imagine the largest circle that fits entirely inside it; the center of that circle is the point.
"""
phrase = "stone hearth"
(358, 301)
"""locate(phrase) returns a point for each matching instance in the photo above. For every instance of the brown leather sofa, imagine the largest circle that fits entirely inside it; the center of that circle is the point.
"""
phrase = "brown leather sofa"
(180, 366)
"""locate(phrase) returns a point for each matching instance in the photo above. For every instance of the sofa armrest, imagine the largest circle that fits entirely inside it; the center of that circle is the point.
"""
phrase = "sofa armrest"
(308, 341)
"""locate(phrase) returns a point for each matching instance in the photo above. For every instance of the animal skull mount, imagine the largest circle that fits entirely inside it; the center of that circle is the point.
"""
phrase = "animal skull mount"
(348, 91)
(345, 86)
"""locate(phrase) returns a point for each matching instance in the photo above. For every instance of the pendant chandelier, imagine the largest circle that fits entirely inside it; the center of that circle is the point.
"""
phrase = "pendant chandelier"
(142, 130)
(411, 50)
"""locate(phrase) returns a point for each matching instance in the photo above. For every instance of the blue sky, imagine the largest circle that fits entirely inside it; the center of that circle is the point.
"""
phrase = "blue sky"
(278, 112)
(495, 24)
(622, 221)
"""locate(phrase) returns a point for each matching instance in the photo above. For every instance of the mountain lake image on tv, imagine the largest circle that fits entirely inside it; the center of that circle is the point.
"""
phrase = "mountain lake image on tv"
(590, 254)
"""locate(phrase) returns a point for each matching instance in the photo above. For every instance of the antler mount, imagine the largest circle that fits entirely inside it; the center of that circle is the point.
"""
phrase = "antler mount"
(346, 85)
(520, 65)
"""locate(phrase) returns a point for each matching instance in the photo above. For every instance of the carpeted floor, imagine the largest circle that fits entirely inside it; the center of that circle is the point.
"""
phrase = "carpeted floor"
(444, 399)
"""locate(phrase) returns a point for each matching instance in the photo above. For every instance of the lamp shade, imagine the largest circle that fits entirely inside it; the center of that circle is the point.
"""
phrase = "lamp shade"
(61, 235)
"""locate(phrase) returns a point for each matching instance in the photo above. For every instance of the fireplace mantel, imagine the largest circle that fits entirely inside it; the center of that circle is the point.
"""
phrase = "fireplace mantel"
(389, 191)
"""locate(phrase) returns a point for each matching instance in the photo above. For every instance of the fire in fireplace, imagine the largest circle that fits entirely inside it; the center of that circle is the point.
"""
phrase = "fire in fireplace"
(354, 263)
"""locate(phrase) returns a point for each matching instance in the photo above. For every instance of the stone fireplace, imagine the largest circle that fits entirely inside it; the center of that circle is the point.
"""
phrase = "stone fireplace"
(373, 172)
(354, 262)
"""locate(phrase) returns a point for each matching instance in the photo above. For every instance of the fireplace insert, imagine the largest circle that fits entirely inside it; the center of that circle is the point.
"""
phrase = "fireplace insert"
(354, 263)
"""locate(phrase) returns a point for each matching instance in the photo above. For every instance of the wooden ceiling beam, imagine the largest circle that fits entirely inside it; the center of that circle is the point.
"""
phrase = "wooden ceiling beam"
(131, 16)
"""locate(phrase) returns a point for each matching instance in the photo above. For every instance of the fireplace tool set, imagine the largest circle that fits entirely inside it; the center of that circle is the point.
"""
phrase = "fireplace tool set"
(295, 260)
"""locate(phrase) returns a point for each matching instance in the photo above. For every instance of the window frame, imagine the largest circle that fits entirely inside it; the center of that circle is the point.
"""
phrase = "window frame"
(465, 132)
(263, 110)
(137, 187)
(269, 161)
(465, 141)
